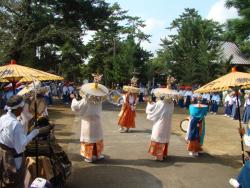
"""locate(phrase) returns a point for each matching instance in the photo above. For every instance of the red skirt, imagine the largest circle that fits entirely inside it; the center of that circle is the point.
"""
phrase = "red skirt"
(127, 118)
(88, 150)
(194, 146)
(158, 150)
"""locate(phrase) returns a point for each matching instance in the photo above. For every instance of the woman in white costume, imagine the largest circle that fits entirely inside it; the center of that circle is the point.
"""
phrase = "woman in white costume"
(89, 109)
(161, 115)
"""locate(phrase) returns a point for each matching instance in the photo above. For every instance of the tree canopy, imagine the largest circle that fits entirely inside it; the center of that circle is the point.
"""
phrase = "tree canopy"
(47, 33)
(192, 53)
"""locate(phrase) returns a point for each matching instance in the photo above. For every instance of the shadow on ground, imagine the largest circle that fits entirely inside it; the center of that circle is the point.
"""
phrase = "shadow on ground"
(123, 177)
(177, 161)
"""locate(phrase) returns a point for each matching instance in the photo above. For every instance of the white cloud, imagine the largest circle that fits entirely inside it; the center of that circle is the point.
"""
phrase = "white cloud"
(155, 28)
(220, 13)
(152, 24)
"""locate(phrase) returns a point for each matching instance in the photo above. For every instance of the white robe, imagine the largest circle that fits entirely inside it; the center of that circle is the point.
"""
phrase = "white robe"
(13, 135)
(161, 115)
(90, 114)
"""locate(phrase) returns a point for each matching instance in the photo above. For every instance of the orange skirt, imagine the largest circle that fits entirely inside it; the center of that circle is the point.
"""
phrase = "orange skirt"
(88, 150)
(127, 118)
(194, 146)
(158, 150)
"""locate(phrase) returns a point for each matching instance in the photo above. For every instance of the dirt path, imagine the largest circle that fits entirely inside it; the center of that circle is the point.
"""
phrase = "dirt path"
(127, 163)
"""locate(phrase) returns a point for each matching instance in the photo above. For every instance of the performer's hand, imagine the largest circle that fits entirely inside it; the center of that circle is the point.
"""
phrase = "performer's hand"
(241, 131)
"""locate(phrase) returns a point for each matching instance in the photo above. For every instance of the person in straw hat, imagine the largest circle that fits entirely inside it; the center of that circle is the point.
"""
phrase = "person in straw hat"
(161, 115)
(127, 113)
(89, 109)
(13, 140)
(28, 93)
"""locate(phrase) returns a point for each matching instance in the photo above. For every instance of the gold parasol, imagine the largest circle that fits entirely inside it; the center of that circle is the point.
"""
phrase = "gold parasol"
(166, 92)
(17, 73)
(234, 80)
(133, 87)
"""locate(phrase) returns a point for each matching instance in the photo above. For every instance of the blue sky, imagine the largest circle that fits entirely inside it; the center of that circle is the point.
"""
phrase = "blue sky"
(158, 14)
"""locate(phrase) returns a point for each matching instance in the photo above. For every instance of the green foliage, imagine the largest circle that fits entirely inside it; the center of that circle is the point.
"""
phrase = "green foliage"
(238, 29)
(192, 55)
(114, 50)
(51, 25)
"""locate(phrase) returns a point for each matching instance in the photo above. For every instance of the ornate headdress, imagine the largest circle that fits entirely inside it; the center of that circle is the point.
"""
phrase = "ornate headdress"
(133, 86)
(167, 92)
(169, 81)
(133, 81)
(94, 92)
(97, 78)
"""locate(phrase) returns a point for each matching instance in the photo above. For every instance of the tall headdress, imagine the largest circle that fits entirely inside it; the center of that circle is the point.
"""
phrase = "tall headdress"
(166, 92)
(132, 88)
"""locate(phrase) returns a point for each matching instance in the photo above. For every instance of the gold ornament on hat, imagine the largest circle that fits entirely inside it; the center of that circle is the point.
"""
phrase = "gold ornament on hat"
(132, 88)
(97, 78)
(167, 92)
(169, 81)
(133, 81)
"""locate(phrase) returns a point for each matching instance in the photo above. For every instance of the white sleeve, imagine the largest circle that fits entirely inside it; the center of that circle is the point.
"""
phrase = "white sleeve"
(20, 139)
(79, 106)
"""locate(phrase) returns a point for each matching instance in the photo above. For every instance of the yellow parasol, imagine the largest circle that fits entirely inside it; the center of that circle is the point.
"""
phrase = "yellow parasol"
(18, 73)
(234, 80)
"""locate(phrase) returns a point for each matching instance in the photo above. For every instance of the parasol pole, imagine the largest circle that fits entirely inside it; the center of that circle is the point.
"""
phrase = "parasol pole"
(36, 141)
(241, 136)
(13, 87)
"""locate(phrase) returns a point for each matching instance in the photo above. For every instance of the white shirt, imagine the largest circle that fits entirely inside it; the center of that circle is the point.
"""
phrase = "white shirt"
(216, 98)
(12, 134)
(234, 99)
(227, 98)
(182, 92)
(196, 95)
(65, 90)
(247, 102)
(206, 96)
(71, 89)
(188, 93)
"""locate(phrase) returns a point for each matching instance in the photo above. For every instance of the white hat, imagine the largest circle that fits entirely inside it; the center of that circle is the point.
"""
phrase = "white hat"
(94, 90)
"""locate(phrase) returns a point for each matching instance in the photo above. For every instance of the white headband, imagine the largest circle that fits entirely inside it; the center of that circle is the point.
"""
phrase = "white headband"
(14, 107)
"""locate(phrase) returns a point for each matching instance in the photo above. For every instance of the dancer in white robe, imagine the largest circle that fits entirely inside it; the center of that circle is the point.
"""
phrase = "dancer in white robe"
(89, 109)
(161, 115)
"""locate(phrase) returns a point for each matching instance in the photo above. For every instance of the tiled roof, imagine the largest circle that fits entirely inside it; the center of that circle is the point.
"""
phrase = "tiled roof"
(229, 50)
